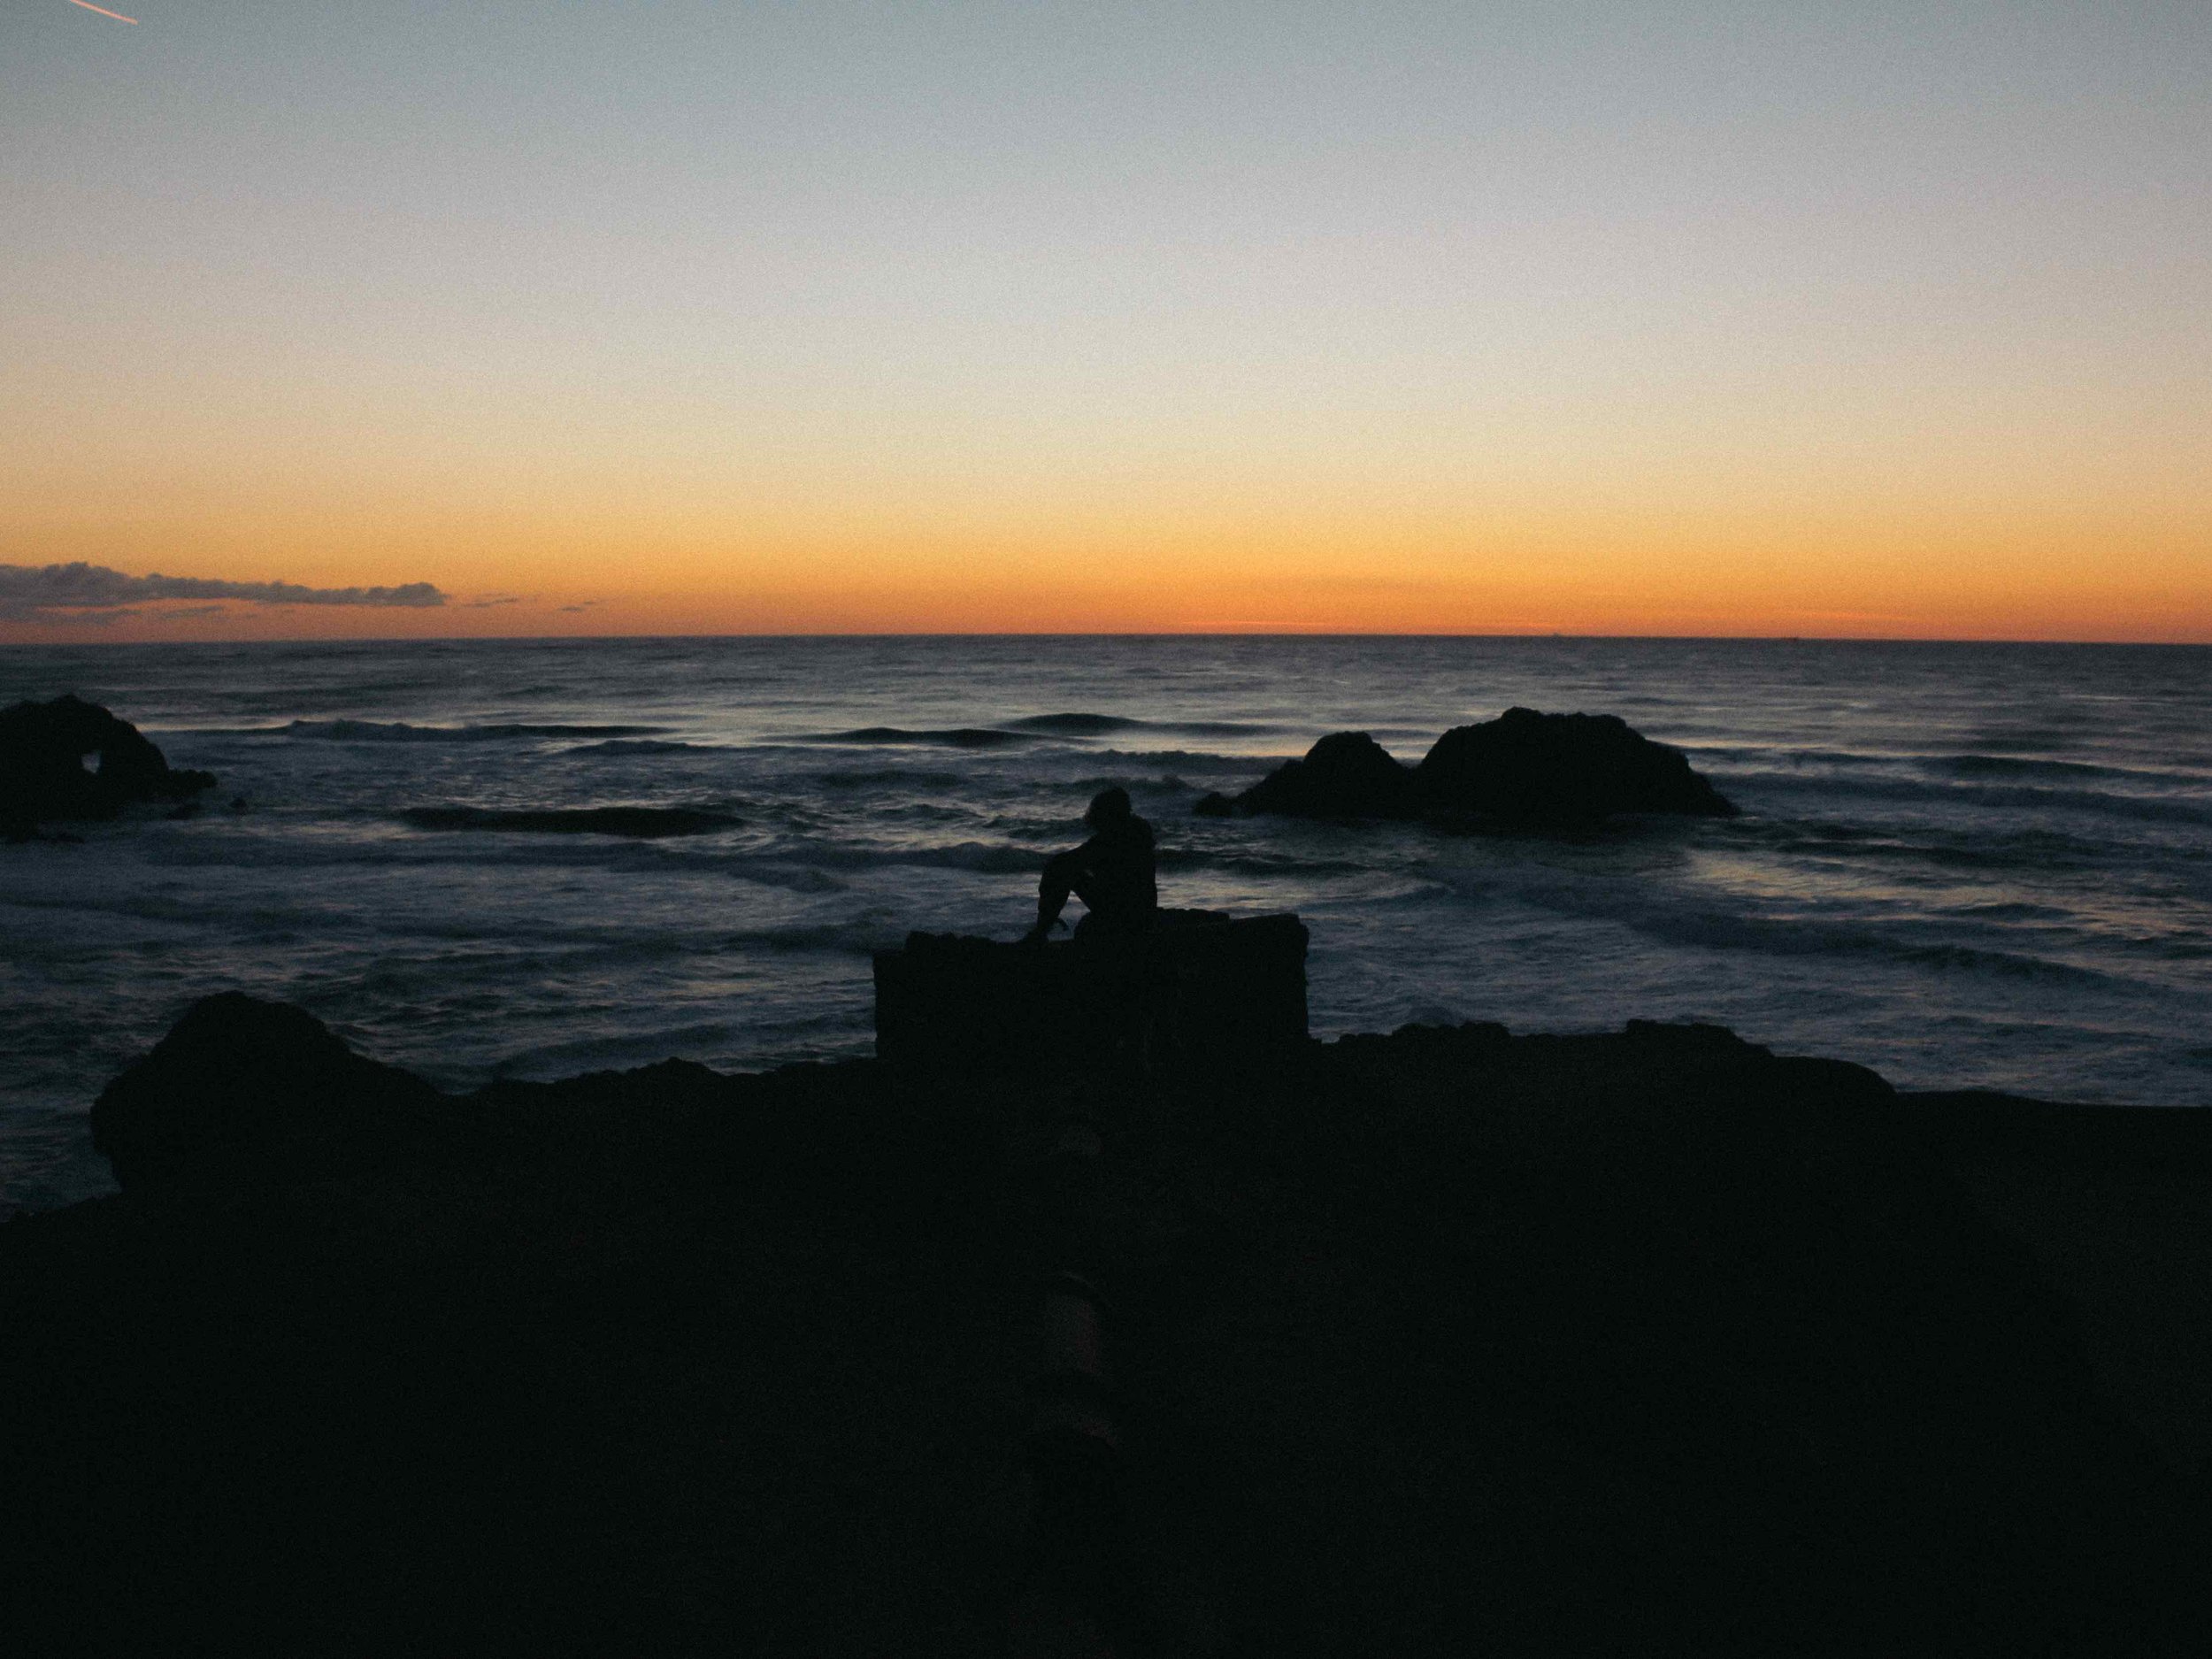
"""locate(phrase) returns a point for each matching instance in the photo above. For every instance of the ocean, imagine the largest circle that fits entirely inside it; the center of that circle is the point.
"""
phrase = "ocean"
(1980, 865)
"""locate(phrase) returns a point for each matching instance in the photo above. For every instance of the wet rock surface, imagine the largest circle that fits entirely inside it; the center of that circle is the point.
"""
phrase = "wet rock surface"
(44, 778)
(1442, 1341)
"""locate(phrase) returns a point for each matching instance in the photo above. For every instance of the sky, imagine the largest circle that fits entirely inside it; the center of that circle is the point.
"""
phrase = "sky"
(397, 318)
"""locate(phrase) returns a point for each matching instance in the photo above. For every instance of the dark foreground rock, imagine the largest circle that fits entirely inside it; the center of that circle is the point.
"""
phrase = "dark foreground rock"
(244, 1094)
(1446, 1341)
(1525, 768)
(43, 777)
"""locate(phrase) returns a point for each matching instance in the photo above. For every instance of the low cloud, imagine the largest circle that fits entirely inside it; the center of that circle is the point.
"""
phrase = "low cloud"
(33, 593)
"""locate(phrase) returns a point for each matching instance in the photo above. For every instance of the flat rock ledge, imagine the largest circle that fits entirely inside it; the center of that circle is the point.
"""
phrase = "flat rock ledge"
(1199, 992)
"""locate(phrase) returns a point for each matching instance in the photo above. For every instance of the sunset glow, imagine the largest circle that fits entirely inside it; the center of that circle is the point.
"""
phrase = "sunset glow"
(1034, 319)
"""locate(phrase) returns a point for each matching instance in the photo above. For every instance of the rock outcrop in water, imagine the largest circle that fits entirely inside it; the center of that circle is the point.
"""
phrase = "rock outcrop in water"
(1346, 774)
(43, 777)
(1532, 768)
(1557, 770)
(1445, 1341)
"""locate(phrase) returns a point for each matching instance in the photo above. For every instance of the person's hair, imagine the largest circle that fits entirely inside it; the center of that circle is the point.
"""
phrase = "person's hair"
(1108, 806)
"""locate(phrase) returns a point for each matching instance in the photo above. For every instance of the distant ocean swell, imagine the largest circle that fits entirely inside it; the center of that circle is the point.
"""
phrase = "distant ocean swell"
(1674, 921)
(1979, 797)
(1968, 765)
(517, 858)
(1027, 729)
(402, 731)
(2150, 794)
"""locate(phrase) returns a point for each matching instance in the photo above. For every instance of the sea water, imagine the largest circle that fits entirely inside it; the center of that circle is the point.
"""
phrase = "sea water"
(1964, 865)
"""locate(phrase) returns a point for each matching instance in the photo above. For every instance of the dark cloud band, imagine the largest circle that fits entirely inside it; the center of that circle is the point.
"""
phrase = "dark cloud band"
(28, 590)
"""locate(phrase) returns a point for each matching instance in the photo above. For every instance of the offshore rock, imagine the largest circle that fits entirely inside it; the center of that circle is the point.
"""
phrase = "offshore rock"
(1559, 771)
(1346, 774)
(43, 747)
(1566, 768)
(1198, 991)
(243, 1093)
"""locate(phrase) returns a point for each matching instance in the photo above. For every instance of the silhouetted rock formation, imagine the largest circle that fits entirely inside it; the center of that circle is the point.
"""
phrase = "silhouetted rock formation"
(1346, 774)
(1439, 1342)
(1560, 769)
(1523, 767)
(1199, 991)
(243, 1091)
(43, 747)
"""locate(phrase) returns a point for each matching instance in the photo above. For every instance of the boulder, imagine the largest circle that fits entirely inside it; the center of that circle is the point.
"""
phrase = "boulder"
(243, 1092)
(43, 747)
(1560, 769)
(1346, 774)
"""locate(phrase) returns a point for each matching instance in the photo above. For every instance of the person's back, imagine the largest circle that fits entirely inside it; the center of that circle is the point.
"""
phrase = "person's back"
(1113, 872)
(1124, 884)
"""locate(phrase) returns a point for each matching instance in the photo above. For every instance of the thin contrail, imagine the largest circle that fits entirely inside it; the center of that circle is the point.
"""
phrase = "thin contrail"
(102, 11)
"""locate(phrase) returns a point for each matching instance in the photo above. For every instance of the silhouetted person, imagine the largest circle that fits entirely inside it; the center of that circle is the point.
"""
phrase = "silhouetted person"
(1112, 873)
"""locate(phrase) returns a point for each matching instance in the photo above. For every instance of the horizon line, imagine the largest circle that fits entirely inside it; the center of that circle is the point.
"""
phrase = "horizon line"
(1129, 634)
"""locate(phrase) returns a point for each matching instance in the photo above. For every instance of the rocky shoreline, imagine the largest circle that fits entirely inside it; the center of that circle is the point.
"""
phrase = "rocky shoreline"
(1443, 1341)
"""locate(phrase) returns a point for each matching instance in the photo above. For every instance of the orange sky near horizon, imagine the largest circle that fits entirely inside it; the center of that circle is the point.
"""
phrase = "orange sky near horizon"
(1583, 318)
(680, 558)
(1941, 589)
